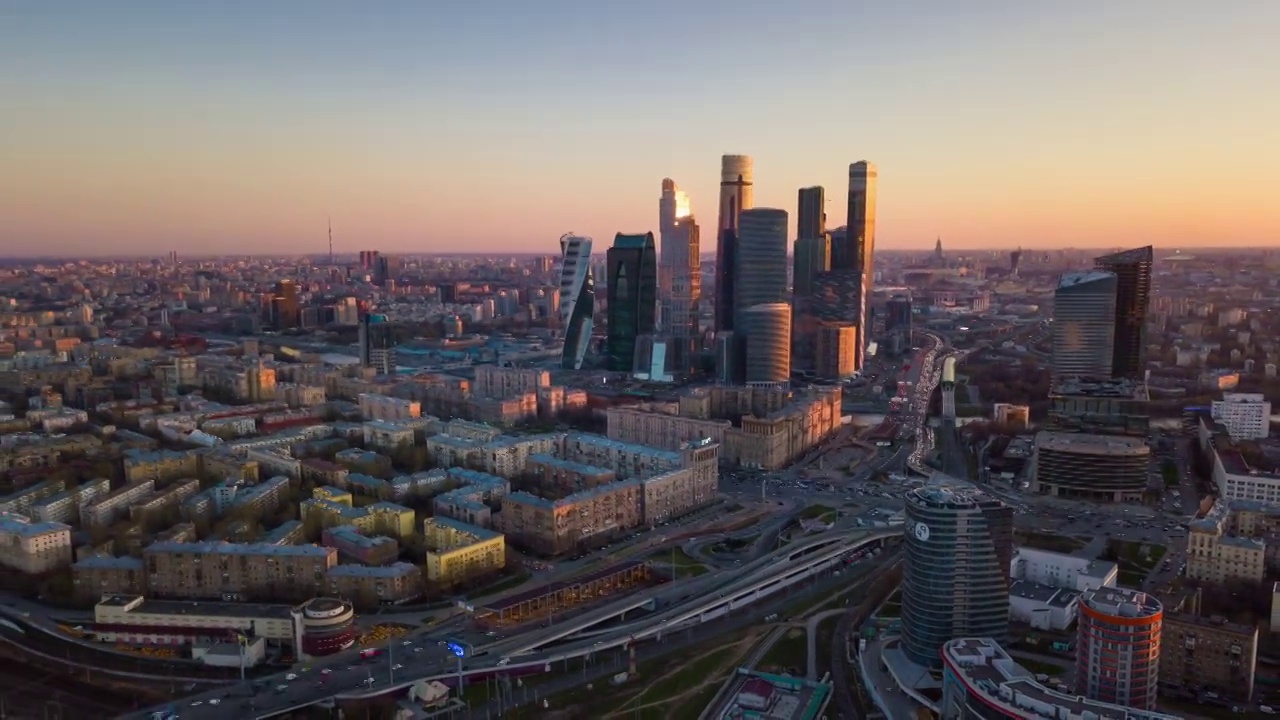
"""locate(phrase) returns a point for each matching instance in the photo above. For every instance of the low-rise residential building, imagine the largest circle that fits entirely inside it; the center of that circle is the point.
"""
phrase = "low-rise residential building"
(22, 500)
(386, 585)
(1217, 553)
(160, 465)
(352, 546)
(65, 506)
(100, 575)
(457, 551)
(1207, 655)
(171, 497)
(230, 571)
(385, 407)
(103, 511)
(33, 547)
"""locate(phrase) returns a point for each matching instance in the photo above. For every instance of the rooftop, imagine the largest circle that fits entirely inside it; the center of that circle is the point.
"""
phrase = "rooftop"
(1094, 444)
(225, 548)
(1074, 279)
(987, 671)
(479, 533)
(1121, 602)
(393, 570)
(948, 496)
(1120, 388)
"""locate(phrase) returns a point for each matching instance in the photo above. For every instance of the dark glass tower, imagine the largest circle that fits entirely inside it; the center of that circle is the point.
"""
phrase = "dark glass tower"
(955, 581)
(812, 207)
(1132, 269)
(633, 297)
(736, 194)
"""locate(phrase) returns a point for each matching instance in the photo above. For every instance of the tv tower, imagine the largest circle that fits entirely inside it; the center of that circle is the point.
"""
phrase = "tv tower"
(330, 219)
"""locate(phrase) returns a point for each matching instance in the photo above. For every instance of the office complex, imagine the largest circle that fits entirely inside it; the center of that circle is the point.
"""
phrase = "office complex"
(577, 299)
(1246, 416)
(835, 351)
(1118, 647)
(377, 344)
(679, 276)
(767, 329)
(736, 195)
(812, 213)
(756, 427)
(1132, 269)
(980, 681)
(1084, 308)
(1082, 465)
(955, 583)
(632, 265)
(856, 254)
(760, 275)
(810, 259)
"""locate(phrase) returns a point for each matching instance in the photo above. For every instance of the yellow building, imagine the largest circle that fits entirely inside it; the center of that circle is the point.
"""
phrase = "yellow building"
(459, 551)
(332, 494)
(391, 519)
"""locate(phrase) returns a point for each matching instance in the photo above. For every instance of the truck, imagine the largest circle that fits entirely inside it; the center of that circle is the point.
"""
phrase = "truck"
(370, 653)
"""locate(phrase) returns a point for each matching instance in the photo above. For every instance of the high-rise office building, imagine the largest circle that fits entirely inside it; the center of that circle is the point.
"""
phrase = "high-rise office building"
(377, 344)
(811, 221)
(768, 343)
(955, 582)
(736, 195)
(1084, 310)
(679, 276)
(577, 299)
(1118, 647)
(1132, 269)
(834, 351)
(760, 276)
(860, 244)
(632, 265)
(286, 312)
(812, 257)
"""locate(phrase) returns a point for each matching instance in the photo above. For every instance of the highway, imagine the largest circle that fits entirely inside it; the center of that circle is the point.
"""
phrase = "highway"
(422, 657)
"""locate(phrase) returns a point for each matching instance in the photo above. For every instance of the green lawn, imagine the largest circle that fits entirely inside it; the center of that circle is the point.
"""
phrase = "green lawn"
(816, 511)
(788, 654)
(1135, 560)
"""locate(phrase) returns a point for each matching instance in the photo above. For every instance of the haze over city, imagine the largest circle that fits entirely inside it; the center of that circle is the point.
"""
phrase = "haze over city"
(143, 127)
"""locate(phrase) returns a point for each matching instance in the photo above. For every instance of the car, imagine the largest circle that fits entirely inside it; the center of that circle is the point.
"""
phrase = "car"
(197, 703)
(397, 666)
(291, 676)
(503, 661)
(214, 701)
(406, 643)
(325, 671)
(417, 650)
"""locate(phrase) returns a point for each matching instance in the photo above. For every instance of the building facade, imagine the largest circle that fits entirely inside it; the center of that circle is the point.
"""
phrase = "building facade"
(1084, 310)
(632, 266)
(1103, 467)
(1132, 269)
(959, 545)
(577, 299)
(1118, 647)
(736, 194)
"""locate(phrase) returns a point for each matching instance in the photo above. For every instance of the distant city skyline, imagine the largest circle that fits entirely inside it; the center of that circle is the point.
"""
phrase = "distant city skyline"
(140, 128)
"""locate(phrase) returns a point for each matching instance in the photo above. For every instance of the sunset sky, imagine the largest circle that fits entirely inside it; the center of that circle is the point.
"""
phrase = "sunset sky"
(237, 126)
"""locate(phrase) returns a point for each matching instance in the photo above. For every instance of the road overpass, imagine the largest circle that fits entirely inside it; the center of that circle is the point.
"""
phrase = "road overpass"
(520, 656)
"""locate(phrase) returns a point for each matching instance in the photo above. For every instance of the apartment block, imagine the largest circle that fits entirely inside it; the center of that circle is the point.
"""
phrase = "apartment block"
(1216, 552)
(388, 518)
(553, 527)
(352, 546)
(104, 511)
(323, 472)
(264, 498)
(33, 547)
(1207, 655)
(287, 533)
(301, 396)
(227, 571)
(21, 501)
(65, 506)
(386, 436)
(388, 585)
(171, 497)
(1246, 416)
(101, 575)
(468, 502)
(498, 382)
(385, 407)
(563, 477)
(160, 465)
(457, 551)
(419, 484)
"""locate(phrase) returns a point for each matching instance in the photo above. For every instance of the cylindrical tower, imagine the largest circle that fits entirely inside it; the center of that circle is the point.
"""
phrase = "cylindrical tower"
(955, 582)
(768, 331)
(327, 626)
(1118, 647)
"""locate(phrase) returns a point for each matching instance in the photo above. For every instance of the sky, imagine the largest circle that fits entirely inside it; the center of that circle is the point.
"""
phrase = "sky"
(436, 126)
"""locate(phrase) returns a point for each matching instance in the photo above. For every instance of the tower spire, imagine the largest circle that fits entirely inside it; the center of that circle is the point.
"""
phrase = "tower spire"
(330, 221)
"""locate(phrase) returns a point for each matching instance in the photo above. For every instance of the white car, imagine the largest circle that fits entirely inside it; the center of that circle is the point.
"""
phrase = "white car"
(291, 676)
(325, 671)
(214, 701)
(397, 666)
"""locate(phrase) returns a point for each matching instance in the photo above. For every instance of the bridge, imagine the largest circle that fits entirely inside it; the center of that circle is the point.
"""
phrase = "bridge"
(713, 596)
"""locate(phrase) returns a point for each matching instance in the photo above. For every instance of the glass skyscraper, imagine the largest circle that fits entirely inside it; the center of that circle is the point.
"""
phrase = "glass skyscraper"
(577, 299)
(632, 265)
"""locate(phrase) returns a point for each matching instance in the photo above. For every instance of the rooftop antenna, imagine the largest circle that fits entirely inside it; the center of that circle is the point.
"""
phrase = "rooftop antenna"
(330, 219)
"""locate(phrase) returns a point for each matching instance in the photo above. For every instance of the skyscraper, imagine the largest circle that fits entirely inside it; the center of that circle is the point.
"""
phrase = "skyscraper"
(768, 343)
(632, 265)
(812, 257)
(377, 344)
(577, 298)
(760, 272)
(736, 195)
(1084, 319)
(679, 275)
(955, 580)
(812, 208)
(1133, 299)
(860, 244)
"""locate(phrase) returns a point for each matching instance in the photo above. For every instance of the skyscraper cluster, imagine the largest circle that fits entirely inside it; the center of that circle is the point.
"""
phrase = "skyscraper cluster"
(654, 289)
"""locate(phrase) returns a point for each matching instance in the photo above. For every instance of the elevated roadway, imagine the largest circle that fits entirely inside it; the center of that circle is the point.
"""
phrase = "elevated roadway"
(343, 677)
